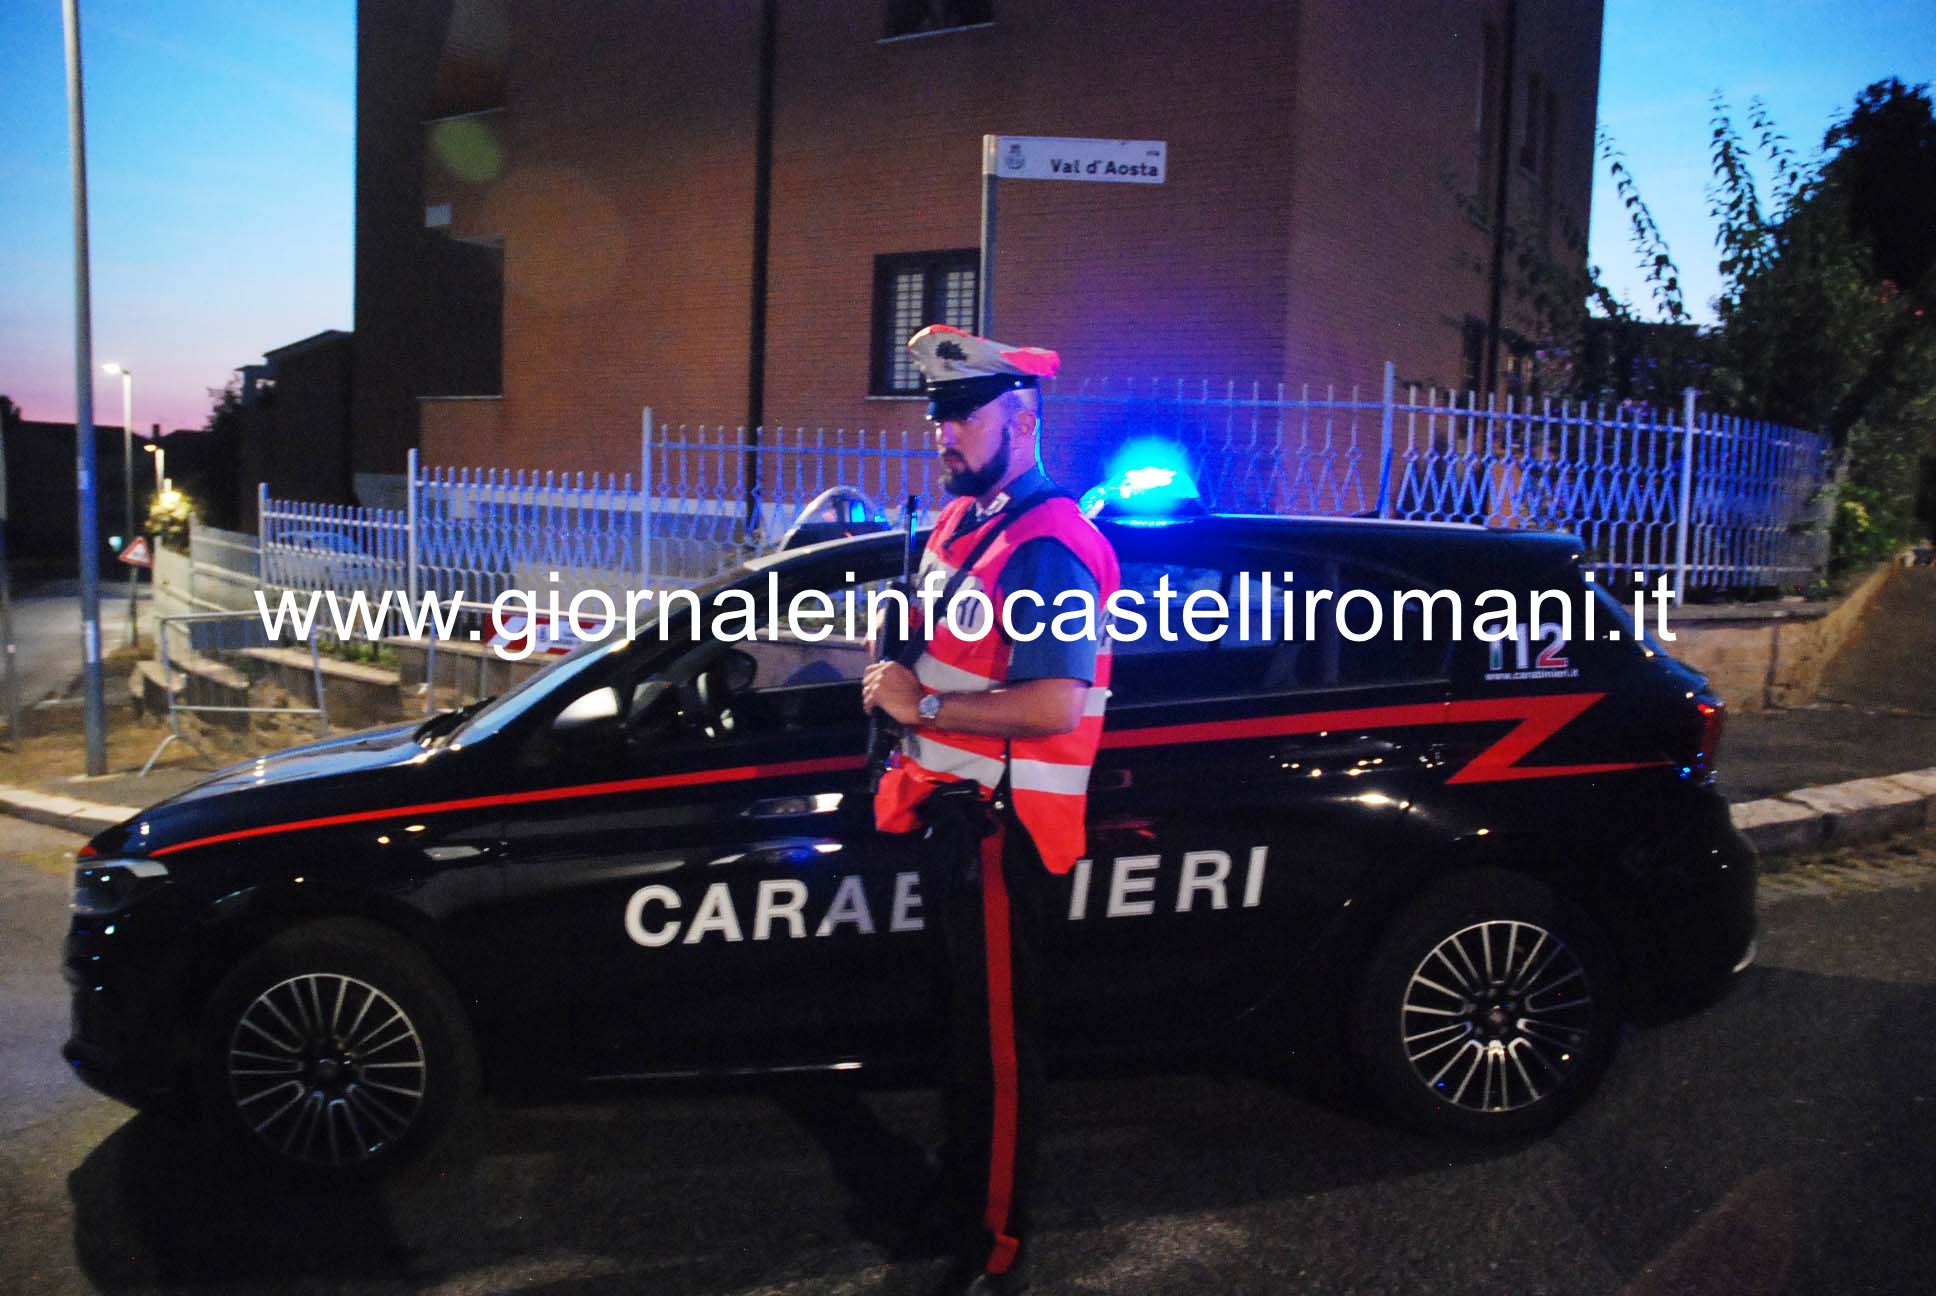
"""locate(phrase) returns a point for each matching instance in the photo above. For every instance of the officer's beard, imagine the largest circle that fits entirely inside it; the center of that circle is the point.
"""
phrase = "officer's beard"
(979, 481)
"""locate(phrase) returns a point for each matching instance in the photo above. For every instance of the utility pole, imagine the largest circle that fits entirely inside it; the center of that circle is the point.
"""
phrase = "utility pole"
(84, 483)
(985, 274)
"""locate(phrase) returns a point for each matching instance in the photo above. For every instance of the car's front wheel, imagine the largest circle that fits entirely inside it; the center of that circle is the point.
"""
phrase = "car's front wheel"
(335, 1049)
(1489, 1010)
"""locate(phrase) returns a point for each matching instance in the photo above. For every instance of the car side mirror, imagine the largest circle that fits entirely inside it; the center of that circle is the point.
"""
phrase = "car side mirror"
(589, 720)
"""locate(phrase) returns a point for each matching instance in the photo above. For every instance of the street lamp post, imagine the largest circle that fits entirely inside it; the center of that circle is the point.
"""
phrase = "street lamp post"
(93, 709)
(127, 487)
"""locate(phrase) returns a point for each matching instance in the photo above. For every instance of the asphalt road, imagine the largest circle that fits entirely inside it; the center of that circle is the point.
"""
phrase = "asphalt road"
(1779, 1142)
(47, 633)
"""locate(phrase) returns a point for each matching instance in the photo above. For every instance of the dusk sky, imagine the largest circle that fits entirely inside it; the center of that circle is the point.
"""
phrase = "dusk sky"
(220, 139)
(221, 156)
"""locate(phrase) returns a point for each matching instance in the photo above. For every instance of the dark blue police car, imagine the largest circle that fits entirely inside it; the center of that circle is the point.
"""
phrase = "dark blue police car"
(1474, 860)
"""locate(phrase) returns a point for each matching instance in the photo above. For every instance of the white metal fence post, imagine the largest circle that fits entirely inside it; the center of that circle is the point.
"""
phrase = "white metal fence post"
(413, 577)
(262, 538)
(1687, 492)
(1385, 441)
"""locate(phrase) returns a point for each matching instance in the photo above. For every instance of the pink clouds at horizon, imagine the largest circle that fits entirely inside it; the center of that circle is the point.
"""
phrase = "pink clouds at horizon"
(45, 401)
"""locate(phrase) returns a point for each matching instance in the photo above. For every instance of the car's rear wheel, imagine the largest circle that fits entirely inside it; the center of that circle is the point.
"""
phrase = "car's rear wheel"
(1489, 1010)
(334, 1050)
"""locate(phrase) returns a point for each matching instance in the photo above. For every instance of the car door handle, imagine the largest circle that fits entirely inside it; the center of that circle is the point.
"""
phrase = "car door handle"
(793, 854)
(793, 807)
(1337, 749)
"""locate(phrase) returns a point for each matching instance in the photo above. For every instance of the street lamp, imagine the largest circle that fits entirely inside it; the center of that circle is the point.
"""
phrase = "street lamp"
(127, 484)
(161, 455)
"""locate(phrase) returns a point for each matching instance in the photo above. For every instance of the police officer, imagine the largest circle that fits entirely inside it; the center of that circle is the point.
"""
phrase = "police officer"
(1001, 717)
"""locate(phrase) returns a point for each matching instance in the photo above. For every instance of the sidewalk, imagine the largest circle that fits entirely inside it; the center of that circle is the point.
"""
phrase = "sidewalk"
(1876, 714)
(43, 780)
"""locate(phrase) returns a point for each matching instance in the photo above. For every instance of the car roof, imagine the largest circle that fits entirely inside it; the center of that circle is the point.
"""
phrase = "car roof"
(1397, 540)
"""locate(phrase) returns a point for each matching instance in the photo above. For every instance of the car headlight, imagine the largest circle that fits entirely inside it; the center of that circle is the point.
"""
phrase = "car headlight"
(109, 886)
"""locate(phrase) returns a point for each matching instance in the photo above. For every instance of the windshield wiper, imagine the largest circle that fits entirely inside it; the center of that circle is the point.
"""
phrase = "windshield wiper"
(445, 721)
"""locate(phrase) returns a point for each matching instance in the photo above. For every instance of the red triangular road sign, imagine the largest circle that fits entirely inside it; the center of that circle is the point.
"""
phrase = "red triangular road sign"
(137, 554)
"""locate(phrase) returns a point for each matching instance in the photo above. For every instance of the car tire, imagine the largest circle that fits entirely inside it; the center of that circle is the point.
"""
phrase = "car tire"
(336, 1050)
(1489, 1010)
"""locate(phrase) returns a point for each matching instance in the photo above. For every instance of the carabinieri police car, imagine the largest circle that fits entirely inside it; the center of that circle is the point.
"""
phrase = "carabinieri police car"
(1471, 858)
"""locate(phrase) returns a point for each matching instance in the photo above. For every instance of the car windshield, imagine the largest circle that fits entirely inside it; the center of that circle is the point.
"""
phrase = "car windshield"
(824, 565)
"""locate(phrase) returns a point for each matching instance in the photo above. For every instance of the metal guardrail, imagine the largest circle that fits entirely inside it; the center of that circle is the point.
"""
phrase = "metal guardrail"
(194, 645)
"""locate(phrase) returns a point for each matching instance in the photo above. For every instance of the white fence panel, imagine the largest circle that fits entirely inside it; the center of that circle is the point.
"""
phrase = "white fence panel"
(710, 496)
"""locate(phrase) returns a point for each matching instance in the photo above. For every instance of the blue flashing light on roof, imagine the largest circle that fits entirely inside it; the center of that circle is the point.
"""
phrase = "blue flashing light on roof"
(1148, 479)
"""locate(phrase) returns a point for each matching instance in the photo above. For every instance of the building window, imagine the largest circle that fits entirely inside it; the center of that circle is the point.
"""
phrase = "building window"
(1520, 370)
(1472, 352)
(920, 17)
(911, 290)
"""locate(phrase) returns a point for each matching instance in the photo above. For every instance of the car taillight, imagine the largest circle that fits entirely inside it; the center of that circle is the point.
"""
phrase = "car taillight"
(1707, 744)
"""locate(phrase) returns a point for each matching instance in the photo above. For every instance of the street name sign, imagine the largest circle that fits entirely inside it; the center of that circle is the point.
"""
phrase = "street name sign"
(1044, 157)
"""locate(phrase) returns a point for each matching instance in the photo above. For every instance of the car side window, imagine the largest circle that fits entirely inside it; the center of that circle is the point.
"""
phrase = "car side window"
(737, 672)
(1148, 580)
(1151, 668)
(1281, 636)
(797, 672)
(1407, 648)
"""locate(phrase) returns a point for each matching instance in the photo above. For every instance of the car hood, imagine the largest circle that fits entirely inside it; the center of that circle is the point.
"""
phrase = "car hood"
(267, 788)
(371, 749)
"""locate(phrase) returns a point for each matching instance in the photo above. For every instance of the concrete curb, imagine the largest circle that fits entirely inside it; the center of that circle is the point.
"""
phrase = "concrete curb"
(70, 813)
(1837, 814)
(1778, 827)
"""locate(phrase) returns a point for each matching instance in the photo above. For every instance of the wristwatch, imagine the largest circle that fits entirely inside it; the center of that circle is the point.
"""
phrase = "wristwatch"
(928, 709)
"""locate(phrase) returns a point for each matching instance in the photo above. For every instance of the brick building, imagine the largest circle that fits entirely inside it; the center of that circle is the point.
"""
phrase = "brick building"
(733, 211)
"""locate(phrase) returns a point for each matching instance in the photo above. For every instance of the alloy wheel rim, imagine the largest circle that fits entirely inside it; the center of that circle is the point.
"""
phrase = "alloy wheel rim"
(326, 1069)
(1496, 1017)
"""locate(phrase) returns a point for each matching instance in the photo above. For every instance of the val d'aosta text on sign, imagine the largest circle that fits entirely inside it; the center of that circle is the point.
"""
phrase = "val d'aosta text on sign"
(1073, 167)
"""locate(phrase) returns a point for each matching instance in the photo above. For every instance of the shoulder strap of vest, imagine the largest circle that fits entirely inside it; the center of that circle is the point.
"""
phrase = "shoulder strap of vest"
(909, 652)
(994, 528)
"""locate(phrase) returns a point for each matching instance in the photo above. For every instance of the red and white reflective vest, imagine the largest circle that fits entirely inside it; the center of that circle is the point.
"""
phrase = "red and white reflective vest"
(1048, 778)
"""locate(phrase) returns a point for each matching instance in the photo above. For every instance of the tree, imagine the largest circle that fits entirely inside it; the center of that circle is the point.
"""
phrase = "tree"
(1883, 160)
(1588, 344)
(227, 444)
(1811, 334)
(168, 514)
